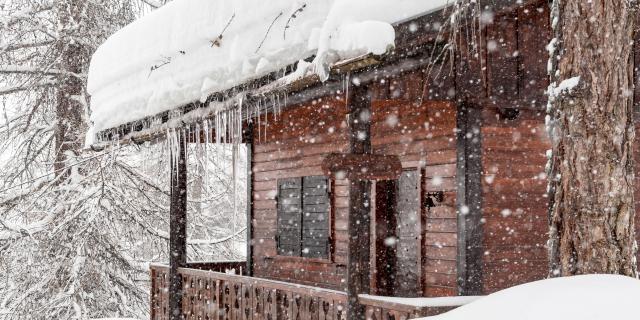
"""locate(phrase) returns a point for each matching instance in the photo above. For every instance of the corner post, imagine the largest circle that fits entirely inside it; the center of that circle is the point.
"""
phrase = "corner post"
(469, 200)
(358, 268)
(177, 225)
(248, 140)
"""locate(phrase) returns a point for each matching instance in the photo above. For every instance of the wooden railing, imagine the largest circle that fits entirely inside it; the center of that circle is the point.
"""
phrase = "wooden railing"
(211, 295)
(235, 267)
(391, 308)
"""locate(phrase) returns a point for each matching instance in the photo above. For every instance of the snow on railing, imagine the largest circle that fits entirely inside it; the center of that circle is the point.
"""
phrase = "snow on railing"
(381, 307)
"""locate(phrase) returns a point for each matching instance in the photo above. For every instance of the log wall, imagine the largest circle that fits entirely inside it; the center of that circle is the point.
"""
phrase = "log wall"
(511, 74)
(514, 199)
(293, 144)
(424, 138)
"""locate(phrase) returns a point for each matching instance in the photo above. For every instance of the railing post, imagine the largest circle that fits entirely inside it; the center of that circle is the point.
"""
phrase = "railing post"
(177, 224)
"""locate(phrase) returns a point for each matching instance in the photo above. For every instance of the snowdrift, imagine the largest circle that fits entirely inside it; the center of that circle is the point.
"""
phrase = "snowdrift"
(588, 297)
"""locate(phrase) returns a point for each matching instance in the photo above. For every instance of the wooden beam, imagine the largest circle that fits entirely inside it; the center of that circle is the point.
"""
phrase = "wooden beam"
(177, 226)
(362, 166)
(358, 266)
(248, 141)
(469, 200)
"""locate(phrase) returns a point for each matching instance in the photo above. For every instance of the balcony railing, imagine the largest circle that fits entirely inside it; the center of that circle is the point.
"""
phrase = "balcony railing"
(209, 295)
(393, 308)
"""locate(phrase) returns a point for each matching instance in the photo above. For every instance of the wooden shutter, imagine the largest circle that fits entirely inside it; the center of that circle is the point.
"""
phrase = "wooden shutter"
(315, 217)
(289, 217)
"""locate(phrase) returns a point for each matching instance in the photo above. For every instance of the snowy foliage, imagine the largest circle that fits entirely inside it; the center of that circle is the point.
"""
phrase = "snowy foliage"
(77, 230)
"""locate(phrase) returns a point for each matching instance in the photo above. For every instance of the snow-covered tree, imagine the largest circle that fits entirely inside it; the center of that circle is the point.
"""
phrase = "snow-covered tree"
(77, 229)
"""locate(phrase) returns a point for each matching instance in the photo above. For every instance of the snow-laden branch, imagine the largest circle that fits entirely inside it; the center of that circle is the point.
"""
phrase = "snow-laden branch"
(24, 45)
(25, 15)
(14, 69)
(152, 3)
(195, 242)
(15, 89)
(13, 231)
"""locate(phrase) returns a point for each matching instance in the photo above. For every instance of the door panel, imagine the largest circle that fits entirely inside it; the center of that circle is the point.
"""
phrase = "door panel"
(407, 280)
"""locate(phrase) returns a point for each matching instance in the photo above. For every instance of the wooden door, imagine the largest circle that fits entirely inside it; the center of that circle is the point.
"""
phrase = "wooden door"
(384, 231)
(397, 226)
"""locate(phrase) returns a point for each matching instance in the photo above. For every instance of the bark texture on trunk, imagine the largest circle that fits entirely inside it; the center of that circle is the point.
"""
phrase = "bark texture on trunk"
(73, 56)
(591, 126)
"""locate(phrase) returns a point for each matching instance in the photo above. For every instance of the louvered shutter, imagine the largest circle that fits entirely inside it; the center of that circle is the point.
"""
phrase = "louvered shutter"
(316, 208)
(289, 217)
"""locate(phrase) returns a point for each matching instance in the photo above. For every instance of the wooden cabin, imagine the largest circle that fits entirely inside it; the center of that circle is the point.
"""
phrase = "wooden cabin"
(409, 183)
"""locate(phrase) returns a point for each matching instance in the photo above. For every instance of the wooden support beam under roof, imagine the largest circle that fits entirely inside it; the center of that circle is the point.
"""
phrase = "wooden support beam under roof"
(177, 226)
(358, 260)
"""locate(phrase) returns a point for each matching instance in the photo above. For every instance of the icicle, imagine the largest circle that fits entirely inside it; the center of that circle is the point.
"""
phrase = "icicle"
(266, 121)
(259, 121)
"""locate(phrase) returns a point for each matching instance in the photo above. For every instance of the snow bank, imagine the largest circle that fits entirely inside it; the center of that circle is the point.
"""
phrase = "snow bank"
(589, 297)
(437, 302)
(189, 49)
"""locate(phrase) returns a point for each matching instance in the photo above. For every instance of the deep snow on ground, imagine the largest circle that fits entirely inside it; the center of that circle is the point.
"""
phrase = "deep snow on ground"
(588, 297)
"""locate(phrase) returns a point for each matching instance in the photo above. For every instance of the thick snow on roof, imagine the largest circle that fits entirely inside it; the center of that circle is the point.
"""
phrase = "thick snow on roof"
(588, 297)
(188, 49)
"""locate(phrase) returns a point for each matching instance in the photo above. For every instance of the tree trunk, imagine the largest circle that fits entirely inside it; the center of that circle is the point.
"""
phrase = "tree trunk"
(592, 131)
(70, 93)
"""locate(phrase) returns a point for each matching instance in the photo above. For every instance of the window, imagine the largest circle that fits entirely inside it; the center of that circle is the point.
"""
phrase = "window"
(304, 208)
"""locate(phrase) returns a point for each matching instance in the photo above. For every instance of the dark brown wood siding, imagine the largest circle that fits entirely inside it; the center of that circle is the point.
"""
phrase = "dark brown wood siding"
(424, 138)
(294, 145)
(514, 203)
(514, 199)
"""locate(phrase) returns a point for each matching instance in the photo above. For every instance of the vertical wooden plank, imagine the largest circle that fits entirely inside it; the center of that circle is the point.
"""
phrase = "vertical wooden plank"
(208, 299)
(469, 200)
(247, 138)
(422, 213)
(217, 300)
(247, 302)
(503, 61)
(177, 226)
(237, 301)
(257, 305)
(314, 308)
(385, 228)
(225, 296)
(471, 68)
(340, 311)
(533, 36)
(154, 286)
(324, 309)
(407, 277)
(272, 304)
(372, 250)
(358, 270)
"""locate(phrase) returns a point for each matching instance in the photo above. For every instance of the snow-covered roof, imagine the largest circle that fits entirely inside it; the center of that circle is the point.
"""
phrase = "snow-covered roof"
(189, 49)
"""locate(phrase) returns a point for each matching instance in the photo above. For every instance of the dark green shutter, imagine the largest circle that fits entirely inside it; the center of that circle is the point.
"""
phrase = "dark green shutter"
(289, 217)
(316, 206)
